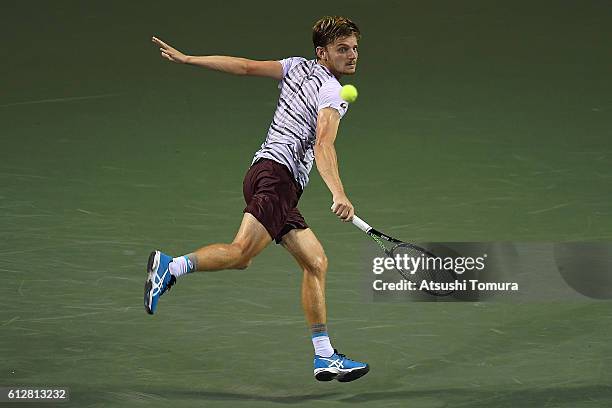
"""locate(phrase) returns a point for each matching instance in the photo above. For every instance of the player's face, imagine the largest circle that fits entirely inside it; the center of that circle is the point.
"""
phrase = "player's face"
(341, 56)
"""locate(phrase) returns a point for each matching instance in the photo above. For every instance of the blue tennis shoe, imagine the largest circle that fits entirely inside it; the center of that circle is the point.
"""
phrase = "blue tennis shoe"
(338, 367)
(159, 279)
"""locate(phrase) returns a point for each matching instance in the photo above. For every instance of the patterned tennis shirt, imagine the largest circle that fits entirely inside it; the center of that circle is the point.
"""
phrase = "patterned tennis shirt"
(306, 88)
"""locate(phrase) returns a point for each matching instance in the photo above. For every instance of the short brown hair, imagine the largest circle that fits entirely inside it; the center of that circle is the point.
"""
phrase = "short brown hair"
(329, 29)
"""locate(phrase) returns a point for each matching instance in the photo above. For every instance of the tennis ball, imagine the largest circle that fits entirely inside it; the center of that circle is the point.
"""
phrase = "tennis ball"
(348, 93)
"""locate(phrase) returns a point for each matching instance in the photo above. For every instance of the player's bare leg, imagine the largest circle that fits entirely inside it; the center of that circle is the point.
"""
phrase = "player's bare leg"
(251, 239)
(309, 254)
(163, 270)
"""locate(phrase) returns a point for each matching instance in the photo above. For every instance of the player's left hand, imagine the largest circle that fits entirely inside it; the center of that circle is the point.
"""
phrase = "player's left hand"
(343, 208)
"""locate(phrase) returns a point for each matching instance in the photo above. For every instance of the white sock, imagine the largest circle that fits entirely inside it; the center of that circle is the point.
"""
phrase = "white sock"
(180, 266)
(322, 346)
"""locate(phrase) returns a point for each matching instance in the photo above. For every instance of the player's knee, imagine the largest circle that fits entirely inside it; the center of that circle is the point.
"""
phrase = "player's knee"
(318, 265)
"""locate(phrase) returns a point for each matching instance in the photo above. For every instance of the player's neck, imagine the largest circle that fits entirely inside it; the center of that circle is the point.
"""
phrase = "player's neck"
(337, 75)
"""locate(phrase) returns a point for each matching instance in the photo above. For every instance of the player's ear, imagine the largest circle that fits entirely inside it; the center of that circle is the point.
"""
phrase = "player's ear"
(320, 52)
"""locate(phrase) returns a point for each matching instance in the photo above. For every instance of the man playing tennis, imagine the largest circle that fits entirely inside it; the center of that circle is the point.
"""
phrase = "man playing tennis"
(303, 130)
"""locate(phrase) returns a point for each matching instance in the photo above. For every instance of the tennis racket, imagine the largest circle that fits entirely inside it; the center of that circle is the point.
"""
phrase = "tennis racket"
(428, 267)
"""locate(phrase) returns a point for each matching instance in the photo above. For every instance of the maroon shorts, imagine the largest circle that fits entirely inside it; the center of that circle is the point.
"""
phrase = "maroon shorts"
(272, 194)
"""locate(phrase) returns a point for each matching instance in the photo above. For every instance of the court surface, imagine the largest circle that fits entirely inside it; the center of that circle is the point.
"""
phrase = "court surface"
(496, 120)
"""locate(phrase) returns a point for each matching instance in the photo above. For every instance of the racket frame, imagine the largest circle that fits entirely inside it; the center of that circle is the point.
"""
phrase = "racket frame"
(378, 237)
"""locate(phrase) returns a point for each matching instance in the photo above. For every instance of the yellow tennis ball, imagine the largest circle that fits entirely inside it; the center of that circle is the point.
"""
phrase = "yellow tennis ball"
(348, 93)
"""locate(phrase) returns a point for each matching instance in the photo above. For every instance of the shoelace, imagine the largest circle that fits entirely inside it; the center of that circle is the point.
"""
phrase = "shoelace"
(171, 283)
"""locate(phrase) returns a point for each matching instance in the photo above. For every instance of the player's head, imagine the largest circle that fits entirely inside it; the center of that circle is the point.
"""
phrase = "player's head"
(335, 41)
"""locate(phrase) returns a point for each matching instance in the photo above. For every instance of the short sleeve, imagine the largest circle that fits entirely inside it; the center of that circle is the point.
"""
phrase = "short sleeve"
(289, 63)
(329, 97)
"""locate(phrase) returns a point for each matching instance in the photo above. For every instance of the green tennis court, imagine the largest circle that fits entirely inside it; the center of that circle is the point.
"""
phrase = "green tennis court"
(496, 119)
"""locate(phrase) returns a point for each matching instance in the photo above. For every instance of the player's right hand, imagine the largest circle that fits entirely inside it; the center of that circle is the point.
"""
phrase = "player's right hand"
(168, 52)
(343, 208)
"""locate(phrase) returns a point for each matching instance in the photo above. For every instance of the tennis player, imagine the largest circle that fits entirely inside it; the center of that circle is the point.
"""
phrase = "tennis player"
(303, 131)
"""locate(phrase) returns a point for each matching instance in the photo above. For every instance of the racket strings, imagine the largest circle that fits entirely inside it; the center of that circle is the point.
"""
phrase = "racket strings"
(417, 265)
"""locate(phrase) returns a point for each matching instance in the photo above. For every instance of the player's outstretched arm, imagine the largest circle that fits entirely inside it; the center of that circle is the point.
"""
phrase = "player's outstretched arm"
(231, 65)
(328, 121)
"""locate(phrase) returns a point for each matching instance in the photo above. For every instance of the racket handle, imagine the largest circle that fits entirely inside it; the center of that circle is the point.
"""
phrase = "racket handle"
(361, 224)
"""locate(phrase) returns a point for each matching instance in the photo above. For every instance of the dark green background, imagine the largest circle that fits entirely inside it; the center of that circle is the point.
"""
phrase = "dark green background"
(495, 116)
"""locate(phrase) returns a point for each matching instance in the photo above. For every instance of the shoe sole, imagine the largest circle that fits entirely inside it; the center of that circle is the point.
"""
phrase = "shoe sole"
(152, 265)
(346, 376)
(325, 375)
(353, 375)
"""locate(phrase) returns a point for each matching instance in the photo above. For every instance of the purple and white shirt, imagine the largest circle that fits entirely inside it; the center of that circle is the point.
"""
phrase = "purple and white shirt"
(306, 88)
